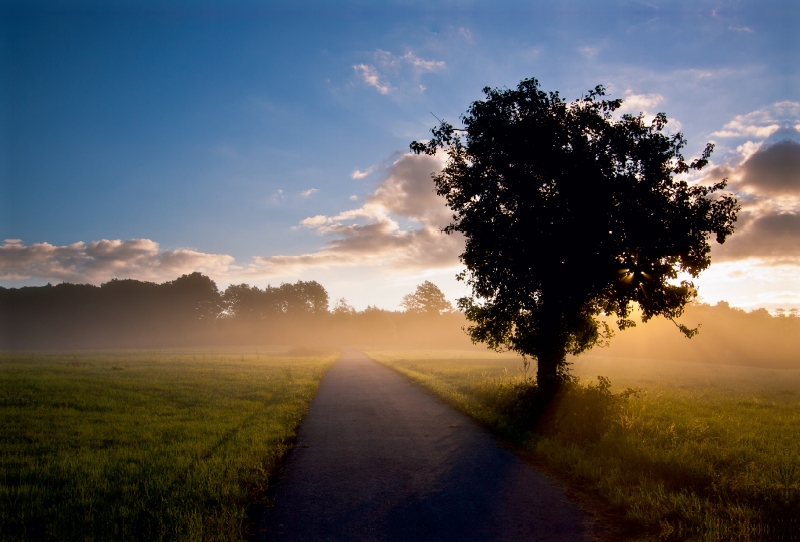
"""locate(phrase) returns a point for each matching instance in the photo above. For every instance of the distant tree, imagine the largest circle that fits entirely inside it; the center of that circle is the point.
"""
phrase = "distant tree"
(195, 295)
(243, 301)
(343, 308)
(313, 296)
(304, 297)
(428, 299)
(250, 302)
(569, 214)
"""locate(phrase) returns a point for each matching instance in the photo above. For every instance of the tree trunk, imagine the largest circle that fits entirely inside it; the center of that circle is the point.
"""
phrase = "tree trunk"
(551, 369)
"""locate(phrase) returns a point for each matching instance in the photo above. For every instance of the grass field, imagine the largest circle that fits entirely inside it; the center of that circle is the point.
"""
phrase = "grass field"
(703, 452)
(145, 445)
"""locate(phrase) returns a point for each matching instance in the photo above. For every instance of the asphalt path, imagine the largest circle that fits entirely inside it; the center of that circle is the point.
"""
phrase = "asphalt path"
(379, 459)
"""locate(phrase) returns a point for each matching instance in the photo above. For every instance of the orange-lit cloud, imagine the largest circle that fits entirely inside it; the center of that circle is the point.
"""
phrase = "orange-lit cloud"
(767, 181)
(102, 260)
(372, 234)
(758, 265)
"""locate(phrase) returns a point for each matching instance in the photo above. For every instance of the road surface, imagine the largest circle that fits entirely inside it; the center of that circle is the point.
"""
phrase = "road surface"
(379, 459)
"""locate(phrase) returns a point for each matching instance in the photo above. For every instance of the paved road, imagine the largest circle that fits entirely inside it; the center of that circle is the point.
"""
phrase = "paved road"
(379, 459)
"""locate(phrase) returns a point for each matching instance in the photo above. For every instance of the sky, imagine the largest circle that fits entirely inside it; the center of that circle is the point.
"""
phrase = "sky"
(267, 142)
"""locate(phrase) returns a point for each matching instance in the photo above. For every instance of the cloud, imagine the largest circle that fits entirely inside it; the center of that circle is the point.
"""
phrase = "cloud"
(393, 64)
(372, 234)
(357, 174)
(768, 184)
(745, 29)
(765, 174)
(307, 193)
(388, 60)
(640, 103)
(772, 237)
(314, 221)
(761, 123)
(102, 260)
(466, 34)
(353, 198)
(646, 105)
(772, 169)
(371, 77)
(408, 191)
(422, 65)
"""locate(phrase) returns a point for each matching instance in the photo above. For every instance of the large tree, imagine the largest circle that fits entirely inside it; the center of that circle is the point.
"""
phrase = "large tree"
(570, 213)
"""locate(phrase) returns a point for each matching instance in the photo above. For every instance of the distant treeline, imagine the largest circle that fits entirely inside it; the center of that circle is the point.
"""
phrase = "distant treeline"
(191, 311)
(727, 335)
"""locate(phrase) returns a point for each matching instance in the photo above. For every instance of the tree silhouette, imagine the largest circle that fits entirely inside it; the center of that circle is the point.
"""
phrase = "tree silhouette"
(343, 308)
(427, 298)
(569, 214)
(250, 302)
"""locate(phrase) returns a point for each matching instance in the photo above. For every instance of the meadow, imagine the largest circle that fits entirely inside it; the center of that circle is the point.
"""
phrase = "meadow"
(690, 452)
(146, 445)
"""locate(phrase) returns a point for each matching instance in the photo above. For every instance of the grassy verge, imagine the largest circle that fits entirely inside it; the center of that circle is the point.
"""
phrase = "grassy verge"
(144, 446)
(702, 452)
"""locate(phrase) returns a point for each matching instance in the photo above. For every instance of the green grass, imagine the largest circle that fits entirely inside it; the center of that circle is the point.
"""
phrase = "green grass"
(144, 446)
(703, 452)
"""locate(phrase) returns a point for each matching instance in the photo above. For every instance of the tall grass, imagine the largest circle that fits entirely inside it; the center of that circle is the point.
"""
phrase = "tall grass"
(144, 446)
(714, 457)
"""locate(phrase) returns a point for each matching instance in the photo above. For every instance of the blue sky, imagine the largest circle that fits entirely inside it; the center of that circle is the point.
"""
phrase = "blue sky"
(262, 142)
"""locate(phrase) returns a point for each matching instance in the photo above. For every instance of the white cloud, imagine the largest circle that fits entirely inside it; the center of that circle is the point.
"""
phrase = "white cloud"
(314, 221)
(307, 193)
(388, 60)
(371, 77)
(422, 65)
(102, 260)
(466, 34)
(640, 103)
(353, 198)
(761, 123)
(391, 63)
(357, 174)
(645, 104)
(745, 29)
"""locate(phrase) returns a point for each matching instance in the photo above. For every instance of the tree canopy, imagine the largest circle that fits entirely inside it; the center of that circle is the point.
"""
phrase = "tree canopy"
(569, 213)
(302, 297)
(427, 298)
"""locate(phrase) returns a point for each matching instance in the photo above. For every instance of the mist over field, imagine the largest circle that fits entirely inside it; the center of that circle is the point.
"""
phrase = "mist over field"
(191, 311)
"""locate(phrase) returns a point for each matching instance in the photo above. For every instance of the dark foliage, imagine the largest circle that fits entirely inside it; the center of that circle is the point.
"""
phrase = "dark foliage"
(569, 214)
(119, 313)
(250, 302)
(190, 311)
